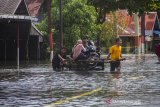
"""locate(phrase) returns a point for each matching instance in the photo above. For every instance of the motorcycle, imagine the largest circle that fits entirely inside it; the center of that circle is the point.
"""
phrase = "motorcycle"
(92, 59)
(91, 54)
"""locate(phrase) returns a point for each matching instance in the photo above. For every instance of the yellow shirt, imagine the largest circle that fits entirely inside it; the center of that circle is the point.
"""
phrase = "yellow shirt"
(115, 52)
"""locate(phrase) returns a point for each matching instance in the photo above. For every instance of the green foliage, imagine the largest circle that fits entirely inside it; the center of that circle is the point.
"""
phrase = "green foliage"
(140, 6)
(78, 20)
(87, 17)
(105, 6)
(43, 26)
(107, 35)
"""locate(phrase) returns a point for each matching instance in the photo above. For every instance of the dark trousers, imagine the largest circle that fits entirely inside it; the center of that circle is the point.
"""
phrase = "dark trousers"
(81, 57)
(56, 65)
(115, 65)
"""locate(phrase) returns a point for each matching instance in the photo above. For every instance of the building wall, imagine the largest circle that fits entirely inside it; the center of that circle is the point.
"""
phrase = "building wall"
(8, 39)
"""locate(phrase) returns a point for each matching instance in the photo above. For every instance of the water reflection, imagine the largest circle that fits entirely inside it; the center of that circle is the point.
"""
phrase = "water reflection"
(37, 85)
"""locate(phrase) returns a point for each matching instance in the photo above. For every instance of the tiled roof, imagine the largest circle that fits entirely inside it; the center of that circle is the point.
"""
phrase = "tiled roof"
(8, 6)
(34, 6)
(150, 19)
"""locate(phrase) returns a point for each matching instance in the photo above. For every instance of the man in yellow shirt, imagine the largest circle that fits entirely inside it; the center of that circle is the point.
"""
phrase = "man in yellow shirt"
(115, 55)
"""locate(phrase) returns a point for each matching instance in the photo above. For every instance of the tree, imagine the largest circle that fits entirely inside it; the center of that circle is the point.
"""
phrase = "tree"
(140, 6)
(102, 7)
(133, 6)
(78, 20)
(108, 31)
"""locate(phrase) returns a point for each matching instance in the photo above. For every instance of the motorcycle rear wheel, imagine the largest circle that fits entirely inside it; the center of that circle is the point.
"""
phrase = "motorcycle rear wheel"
(94, 57)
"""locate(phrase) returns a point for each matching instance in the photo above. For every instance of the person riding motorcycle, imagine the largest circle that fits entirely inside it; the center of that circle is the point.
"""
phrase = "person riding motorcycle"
(90, 48)
(77, 51)
(85, 50)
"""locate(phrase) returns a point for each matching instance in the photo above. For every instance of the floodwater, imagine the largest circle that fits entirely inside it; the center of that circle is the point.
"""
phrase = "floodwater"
(37, 85)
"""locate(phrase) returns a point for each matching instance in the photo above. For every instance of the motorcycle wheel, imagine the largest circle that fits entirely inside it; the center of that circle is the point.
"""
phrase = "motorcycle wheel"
(93, 57)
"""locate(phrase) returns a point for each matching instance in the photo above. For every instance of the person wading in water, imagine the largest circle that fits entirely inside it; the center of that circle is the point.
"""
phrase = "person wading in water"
(115, 56)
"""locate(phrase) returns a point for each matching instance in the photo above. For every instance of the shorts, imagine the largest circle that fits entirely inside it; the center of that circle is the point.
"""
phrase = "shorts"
(115, 65)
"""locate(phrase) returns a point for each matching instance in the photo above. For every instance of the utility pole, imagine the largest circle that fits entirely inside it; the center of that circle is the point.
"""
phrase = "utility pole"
(18, 46)
(61, 25)
(50, 29)
(143, 33)
(137, 38)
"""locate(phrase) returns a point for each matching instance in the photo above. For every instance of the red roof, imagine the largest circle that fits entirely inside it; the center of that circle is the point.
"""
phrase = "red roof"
(34, 6)
(150, 19)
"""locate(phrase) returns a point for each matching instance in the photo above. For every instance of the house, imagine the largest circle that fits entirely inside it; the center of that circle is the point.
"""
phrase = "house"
(151, 28)
(19, 38)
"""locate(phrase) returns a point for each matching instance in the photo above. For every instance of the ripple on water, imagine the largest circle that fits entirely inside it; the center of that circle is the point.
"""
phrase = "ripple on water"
(38, 85)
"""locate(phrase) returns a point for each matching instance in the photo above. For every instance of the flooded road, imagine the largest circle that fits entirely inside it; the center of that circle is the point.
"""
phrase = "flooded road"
(37, 85)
